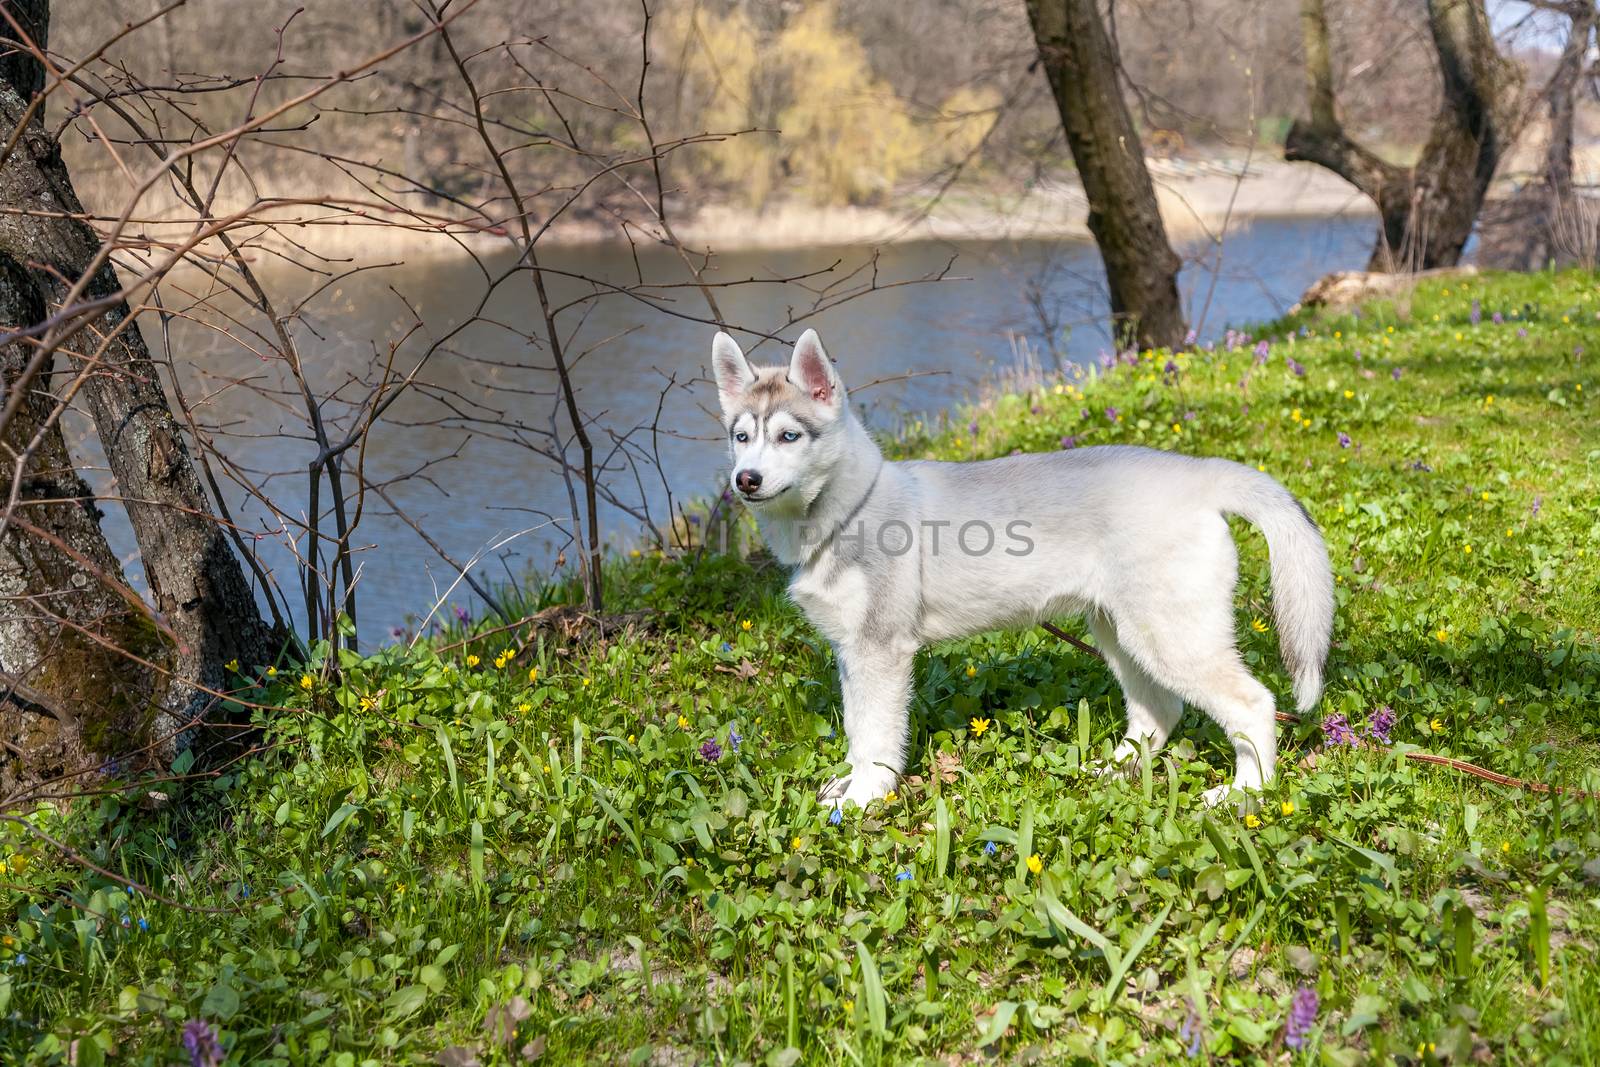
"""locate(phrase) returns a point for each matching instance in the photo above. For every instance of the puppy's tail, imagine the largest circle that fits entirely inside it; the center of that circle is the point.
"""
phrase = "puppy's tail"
(1302, 580)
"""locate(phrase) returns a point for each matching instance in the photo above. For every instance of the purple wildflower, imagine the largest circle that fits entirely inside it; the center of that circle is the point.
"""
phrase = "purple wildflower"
(734, 737)
(1344, 439)
(1111, 414)
(710, 751)
(463, 616)
(1263, 349)
(1538, 502)
(1037, 410)
(1190, 337)
(200, 1042)
(1336, 730)
(1107, 360)
(1170, 370)
(837, 817)
(1358, 355)
(1296, 366)
(972, 428)
(1418, 465)
(1498, 318)
(397, 632)
(1381, 725)
(1522, 331)
(1477, 313)
(1395, 374)
(1069, 442)
(1302, 1017)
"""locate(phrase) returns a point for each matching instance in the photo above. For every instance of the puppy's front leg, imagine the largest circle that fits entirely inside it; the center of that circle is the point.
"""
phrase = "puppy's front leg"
(876, 680)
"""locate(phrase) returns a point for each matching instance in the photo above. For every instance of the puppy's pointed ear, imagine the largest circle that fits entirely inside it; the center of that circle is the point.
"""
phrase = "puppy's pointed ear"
(812, 371)
(731, 370)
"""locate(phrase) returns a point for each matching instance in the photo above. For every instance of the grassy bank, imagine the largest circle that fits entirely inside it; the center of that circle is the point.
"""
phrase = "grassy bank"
(613, 853)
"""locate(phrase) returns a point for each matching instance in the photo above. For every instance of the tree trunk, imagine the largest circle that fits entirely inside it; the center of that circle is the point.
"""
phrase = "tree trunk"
(1141, 267)
(199, 588)
(75, 699)
(1426, 210)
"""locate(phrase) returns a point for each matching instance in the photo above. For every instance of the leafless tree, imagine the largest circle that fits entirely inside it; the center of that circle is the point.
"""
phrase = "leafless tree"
(1426, 208)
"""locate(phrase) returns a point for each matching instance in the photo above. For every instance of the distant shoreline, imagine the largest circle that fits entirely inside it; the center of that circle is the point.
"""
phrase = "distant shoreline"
(1199, 200)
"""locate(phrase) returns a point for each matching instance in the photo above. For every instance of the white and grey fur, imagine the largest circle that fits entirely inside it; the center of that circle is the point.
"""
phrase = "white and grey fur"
(1135, 539)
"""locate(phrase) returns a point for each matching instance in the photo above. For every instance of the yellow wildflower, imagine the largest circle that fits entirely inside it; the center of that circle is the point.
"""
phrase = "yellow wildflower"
(524, 708)
(472, 661)
(1035, 864)
(1435, 725)
(1484, 495)
(272, 672)
(1467, 549)
(1251, 821)
(502, 659)
(630, 739)
(1442, 634)
(306, 681)
(745, 626)
(1258, 625)
(972, 672)
(586, 683)
(1505, 846)
(1287, 807)
(1349, 394)
(683, 723)
(1177, 429)
(794, 846)
(8, 941)
(890, 797)
(849, 1007)
(232, 665)
(533, 675)
(979, 726)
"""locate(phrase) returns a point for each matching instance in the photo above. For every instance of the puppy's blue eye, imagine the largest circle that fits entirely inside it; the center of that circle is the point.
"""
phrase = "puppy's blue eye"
(789, 436)
(741, 437)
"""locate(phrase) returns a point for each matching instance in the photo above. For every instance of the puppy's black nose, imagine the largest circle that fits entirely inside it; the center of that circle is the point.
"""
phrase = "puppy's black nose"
(748, 481)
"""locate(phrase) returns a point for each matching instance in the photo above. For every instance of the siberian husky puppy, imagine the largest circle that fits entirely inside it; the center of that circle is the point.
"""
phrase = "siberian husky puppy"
(889, 557)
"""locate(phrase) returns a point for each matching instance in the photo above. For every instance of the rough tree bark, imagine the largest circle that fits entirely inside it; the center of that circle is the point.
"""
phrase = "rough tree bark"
(74, 696)
(198, 586)
(1426, 210)
(1141, 267)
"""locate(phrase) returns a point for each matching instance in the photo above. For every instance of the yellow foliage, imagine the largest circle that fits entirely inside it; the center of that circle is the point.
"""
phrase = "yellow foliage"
(841, 135)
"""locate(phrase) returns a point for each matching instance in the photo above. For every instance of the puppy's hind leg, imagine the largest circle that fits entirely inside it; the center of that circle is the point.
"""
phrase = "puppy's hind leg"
(1153, 710)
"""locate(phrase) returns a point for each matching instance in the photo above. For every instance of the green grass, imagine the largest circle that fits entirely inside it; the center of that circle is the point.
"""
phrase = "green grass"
(438, 853)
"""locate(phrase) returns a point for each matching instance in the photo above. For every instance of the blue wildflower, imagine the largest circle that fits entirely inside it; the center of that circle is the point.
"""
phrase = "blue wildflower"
(1191, 1031)
(1344, 439)
(837, 817)
(989, 849)
(903, 876)
(734, 737)
(144, 924)
(1477, 313)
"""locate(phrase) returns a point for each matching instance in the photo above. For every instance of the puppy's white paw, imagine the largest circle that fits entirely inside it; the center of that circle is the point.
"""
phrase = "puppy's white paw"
(833, 790)
(861, 787)
(1243, 802)
(1124, 762)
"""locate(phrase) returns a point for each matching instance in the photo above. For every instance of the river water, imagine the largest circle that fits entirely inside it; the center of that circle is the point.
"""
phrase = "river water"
(462, 458)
